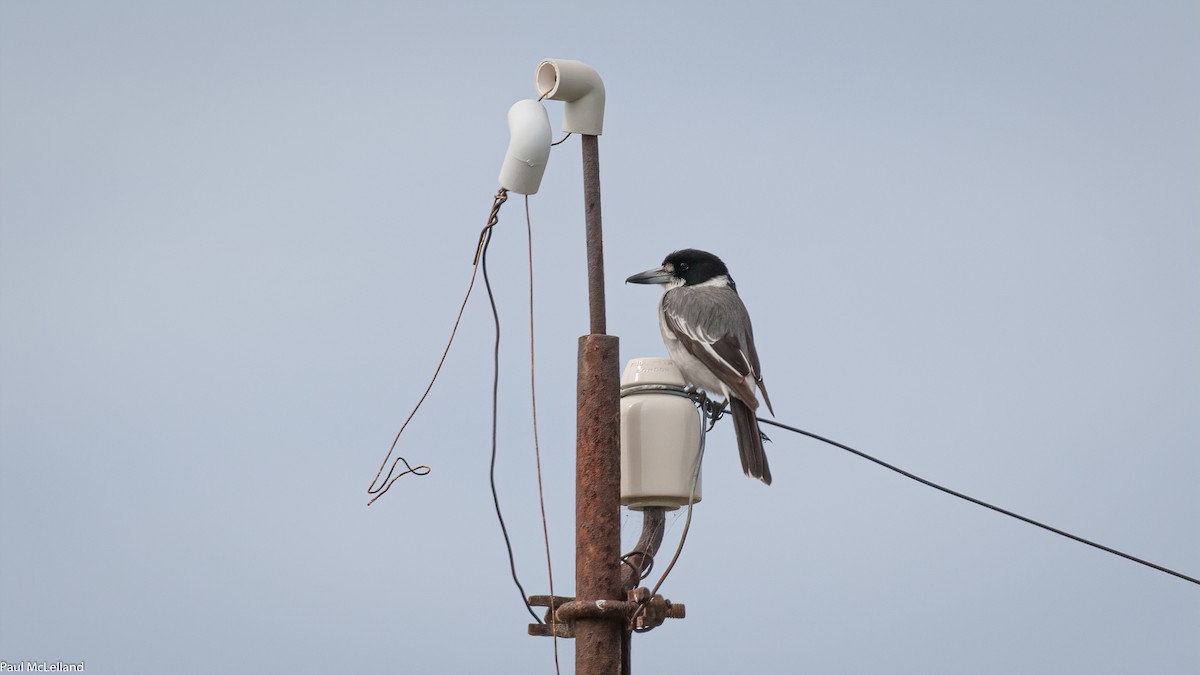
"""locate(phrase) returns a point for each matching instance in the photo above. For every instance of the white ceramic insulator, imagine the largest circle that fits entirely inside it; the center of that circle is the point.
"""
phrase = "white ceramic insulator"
(660, 439)
(579, 87)
(528, 147)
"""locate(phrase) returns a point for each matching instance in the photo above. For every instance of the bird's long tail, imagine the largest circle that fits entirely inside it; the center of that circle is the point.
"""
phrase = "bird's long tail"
(750, 441)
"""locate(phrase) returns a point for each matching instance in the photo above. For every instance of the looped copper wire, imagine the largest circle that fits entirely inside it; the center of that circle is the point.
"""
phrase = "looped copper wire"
(379, 489)
(501, 197)
(389, 479)
(646, 558)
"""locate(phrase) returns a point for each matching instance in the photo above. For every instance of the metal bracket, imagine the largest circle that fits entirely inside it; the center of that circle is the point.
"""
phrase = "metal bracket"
(551, 626)
(652, 611)
(640, 613)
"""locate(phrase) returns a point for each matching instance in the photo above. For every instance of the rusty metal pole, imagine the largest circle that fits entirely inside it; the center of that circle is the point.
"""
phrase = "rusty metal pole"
(598, 641)
(595, 237)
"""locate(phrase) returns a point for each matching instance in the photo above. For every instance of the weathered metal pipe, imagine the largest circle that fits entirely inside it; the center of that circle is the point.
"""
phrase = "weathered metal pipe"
(598, 504)
(654, 519)
(654, 522)
(594, 234)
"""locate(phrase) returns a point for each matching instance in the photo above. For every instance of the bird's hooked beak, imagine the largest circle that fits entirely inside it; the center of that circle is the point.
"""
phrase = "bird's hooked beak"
(658, 275)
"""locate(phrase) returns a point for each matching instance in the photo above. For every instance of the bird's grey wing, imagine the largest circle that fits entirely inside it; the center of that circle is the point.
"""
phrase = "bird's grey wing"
(756, 370)
(712, 325)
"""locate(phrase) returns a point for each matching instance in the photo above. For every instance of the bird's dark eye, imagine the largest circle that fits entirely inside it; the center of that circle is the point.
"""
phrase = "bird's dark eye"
(683, 267)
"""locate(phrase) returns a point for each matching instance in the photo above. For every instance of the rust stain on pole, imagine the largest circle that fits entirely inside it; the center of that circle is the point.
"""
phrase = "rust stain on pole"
(595, 245)
(598, 503)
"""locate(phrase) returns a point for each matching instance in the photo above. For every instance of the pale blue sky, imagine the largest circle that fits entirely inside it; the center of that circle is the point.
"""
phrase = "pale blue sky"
(233, 237)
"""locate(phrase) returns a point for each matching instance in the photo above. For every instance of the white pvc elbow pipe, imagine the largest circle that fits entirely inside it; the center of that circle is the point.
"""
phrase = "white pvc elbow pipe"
(528, 147)
(579, 87)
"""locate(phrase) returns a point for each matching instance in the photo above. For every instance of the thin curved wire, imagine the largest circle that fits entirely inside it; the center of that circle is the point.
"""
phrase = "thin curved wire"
(687, 523)
(537, 449)
(388, 481)
(512, 563)
(980, 502)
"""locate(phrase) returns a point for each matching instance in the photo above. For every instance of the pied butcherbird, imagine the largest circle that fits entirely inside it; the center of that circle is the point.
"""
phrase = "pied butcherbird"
(707, 333)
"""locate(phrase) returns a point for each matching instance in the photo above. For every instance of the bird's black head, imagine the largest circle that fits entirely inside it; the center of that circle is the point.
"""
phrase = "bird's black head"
(694, 266)
(686, 267)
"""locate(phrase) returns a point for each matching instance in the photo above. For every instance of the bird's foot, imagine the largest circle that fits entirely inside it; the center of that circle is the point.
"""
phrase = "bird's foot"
(714, 411)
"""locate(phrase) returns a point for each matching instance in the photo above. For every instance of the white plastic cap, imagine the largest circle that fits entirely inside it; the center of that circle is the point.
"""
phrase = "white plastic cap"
(660, 439)
(652, 370)
(528, 147)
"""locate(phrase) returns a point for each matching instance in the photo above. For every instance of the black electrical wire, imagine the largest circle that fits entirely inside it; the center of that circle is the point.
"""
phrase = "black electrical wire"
(512, 564)
(973, 500)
